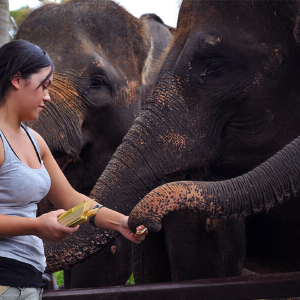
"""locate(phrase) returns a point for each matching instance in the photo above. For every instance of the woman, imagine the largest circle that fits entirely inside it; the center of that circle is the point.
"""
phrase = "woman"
(28, 173)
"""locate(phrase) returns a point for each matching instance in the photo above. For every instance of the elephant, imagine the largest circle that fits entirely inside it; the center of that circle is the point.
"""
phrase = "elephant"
(270, 184)
(106, 61)
(225, 100)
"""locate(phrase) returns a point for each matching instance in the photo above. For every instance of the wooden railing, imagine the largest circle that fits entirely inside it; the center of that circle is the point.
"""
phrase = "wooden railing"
(270, 286)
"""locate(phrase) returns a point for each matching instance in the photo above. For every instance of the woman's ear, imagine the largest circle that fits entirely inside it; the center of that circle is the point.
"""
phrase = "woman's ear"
(15, 81)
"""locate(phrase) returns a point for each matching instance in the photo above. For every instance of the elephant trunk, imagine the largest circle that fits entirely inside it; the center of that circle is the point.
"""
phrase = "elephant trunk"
(271, 183)
(139, 164)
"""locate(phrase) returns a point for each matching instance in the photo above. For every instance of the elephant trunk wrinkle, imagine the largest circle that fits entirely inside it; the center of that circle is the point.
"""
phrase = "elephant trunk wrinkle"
(160, 201)
(71, 251)
(269, 185)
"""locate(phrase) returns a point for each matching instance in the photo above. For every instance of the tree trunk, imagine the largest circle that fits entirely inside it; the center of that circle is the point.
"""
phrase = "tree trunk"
(4, 22)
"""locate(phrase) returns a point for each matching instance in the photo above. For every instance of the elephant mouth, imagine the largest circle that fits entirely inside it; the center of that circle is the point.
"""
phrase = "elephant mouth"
(63, 160)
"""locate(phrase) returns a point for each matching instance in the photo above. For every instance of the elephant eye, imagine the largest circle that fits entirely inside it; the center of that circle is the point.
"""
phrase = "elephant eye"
(215, 68)
(95, 84)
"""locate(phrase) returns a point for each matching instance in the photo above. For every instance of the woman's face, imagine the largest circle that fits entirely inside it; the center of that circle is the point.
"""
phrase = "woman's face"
(34, 94)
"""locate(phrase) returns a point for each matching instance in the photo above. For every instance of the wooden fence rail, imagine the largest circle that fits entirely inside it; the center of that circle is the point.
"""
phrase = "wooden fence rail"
(270, 286)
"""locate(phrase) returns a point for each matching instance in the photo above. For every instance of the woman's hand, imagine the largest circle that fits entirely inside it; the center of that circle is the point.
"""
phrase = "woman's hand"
(49, 229)
(136, 238)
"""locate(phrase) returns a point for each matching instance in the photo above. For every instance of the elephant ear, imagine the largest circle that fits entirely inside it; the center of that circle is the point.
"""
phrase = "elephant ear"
(160, 36)
(156, 18)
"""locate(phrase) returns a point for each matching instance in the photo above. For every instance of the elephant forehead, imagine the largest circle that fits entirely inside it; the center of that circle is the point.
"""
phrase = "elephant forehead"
(98, 63)
(211, 40)
(99, 58)
(84, 25)
(262, 20)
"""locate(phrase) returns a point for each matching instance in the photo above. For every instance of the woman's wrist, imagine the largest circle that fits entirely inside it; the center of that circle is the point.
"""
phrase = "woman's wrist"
(92, 218)
(109, 219)
(34, 226)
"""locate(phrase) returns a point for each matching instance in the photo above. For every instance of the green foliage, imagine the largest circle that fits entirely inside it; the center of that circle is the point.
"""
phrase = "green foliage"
(59, 277)
(130, 280)
(16, 18)
(20, 14)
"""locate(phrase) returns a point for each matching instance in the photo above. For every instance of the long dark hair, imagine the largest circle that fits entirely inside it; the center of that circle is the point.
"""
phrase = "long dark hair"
(24, 57)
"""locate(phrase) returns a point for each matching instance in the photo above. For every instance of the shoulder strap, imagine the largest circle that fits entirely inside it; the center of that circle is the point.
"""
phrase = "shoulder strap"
(34, 146)
(6, 140)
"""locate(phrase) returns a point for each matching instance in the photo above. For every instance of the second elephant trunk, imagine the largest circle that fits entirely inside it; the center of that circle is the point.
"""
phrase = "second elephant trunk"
(269, 184)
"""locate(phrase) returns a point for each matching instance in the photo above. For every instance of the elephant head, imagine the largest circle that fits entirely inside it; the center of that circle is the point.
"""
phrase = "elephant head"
(225, 100)
(103, 58)
(106, 61)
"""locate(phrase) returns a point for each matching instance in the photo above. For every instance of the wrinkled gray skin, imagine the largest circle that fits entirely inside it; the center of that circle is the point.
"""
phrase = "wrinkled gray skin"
(105, 61)
(272, 183)
(226, 99)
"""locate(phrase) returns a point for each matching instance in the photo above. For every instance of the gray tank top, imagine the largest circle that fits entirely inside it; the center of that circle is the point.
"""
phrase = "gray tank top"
(21, 188)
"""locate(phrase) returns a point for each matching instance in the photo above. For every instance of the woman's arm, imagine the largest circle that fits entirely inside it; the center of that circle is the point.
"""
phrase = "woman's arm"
(45, 227)
(62, 195)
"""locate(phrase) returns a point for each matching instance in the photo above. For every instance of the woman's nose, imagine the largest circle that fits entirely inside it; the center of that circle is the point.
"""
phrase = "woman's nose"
(47, 97)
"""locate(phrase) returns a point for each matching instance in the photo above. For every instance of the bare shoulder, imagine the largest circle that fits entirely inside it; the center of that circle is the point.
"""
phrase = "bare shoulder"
(42, 144)
(2, 152)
